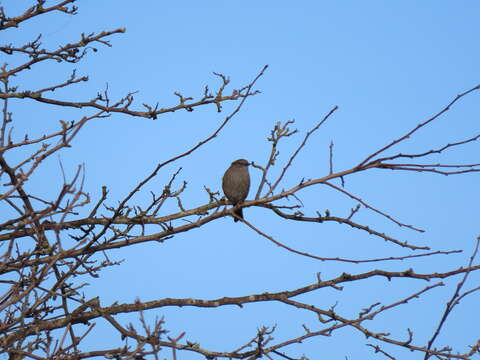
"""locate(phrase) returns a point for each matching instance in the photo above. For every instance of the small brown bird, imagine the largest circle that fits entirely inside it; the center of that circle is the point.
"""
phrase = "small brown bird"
(236, 184)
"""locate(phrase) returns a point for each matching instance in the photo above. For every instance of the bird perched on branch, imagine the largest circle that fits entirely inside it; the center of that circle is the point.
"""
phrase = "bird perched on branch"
(236, 184)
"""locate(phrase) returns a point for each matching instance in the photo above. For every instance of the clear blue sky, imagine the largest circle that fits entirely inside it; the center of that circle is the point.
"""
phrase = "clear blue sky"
(387, 65)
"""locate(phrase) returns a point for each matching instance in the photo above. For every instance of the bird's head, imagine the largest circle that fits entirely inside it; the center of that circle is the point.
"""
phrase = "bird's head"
(241, 162)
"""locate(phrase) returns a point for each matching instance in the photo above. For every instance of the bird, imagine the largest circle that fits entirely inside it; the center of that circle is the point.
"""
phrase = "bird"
(236, 184)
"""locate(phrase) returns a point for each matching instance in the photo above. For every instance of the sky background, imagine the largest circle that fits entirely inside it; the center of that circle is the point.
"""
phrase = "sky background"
(387, 65)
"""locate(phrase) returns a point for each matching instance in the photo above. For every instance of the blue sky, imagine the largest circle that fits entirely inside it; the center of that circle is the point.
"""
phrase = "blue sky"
(387, 65)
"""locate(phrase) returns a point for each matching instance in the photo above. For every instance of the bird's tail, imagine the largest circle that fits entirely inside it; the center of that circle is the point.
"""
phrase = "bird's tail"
(239, 213)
